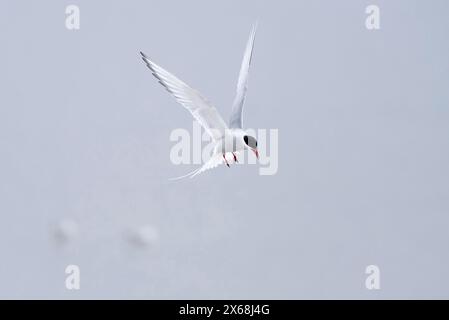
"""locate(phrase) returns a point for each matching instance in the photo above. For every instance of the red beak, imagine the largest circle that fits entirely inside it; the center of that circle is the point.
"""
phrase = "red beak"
(256, 153)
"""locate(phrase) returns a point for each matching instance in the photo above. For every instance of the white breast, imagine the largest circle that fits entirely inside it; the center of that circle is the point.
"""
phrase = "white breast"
(232, 141)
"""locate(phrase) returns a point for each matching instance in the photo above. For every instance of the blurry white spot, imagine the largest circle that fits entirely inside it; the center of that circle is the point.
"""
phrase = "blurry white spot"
(66, 230)
(145, 236)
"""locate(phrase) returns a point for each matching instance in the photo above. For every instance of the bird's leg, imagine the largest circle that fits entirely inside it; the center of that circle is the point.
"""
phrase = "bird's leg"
(235, 157)
(226, 161)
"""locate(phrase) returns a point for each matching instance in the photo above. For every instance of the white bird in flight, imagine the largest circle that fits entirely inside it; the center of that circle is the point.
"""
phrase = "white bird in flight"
(227, 139)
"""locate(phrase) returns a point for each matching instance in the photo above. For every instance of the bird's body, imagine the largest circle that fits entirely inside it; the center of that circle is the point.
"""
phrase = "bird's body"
(227, 139)
(232, 141)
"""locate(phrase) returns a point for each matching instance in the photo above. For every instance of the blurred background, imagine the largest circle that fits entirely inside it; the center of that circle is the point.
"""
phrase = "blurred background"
(363, 151)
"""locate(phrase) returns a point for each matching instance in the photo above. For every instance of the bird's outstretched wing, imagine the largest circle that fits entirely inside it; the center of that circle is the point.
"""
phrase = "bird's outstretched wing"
(242, 84)
(206, 114)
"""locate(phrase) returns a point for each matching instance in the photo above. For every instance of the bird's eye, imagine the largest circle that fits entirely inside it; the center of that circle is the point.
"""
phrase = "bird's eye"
(250, 141)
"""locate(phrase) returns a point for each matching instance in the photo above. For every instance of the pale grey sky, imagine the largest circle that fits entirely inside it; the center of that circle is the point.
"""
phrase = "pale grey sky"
(363, 150)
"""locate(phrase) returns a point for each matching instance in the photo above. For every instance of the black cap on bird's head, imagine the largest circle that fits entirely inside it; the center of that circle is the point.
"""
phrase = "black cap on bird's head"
(251, 143)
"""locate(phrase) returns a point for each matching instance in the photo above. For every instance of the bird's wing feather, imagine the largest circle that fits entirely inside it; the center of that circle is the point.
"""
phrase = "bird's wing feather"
(236, 120)
(206, 114)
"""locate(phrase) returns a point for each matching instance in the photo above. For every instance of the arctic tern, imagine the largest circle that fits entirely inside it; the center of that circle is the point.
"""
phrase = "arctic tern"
(227, 139)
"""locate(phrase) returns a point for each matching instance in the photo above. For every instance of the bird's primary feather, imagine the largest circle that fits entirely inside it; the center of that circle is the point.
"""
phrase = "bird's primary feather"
(236, 120)
(206, 114)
